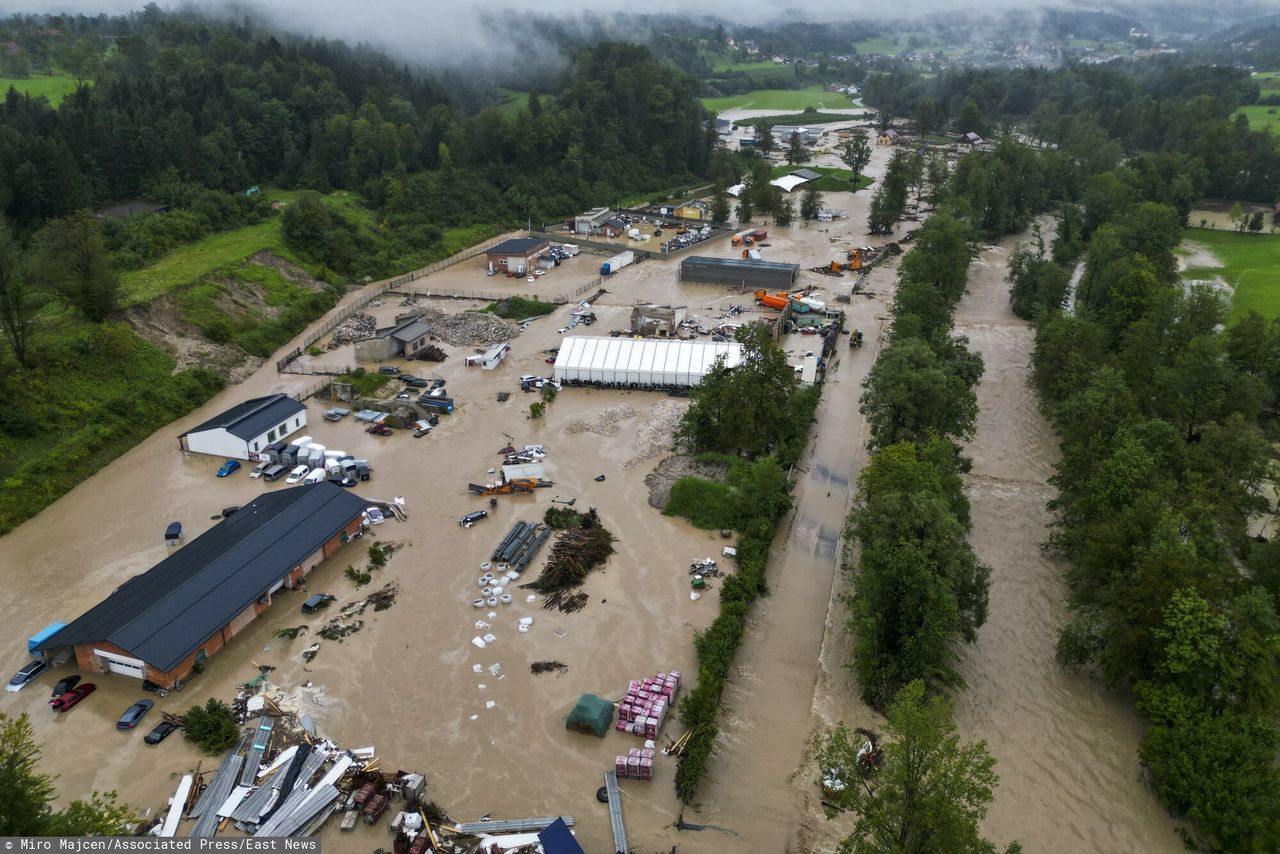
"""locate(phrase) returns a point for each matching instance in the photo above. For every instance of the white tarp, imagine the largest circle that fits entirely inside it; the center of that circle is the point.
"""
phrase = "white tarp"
(787, 183)
(633, 361)
(736, 190)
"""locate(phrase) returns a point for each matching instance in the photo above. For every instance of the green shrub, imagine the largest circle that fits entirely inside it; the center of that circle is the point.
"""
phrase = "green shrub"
(210, 727)
(518, 308)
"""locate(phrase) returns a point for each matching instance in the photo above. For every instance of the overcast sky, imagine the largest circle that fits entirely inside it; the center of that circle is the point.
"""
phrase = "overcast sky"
(447, 31)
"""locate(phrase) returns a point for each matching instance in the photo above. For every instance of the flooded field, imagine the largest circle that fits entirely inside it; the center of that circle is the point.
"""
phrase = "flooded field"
(406, 683)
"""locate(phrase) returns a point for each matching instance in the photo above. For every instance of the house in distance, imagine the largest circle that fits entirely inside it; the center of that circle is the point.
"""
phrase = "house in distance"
(246, 428)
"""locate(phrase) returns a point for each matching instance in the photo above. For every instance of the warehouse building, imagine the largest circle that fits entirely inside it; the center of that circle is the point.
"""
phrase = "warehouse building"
(640, 363)
(246, 428)
(164, 624)
(739, 272)
(588, 222)
(517, 254)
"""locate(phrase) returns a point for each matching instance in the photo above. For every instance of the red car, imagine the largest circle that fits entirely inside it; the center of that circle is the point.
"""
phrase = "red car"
(69, 699)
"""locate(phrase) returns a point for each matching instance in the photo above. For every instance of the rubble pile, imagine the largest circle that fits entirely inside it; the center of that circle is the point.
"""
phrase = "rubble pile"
(468, 327)
(604, 424)
(357, 327)
(656, 434)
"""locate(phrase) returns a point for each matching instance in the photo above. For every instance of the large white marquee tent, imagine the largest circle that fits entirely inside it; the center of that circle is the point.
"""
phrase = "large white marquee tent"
(642, 362)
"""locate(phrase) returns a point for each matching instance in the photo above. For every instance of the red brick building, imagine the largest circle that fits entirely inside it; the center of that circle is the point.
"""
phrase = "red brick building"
(165, 624)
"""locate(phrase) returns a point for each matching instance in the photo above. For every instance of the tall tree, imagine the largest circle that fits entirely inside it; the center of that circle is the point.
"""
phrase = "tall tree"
(27, 794)
(73, 262)
(785, 210)
(795, 149)
(720, 203)
(764, 138)
(926, 115)
(933, 791)
(810, 203)
(19, 300)
(856, 154)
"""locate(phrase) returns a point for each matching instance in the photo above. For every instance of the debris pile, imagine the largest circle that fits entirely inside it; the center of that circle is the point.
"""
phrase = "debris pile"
(657, 433)
(348, 621)
(604, 424)
(468, 327)
(547, 666)
(565, 602)
(576, 552)
(357, 327)
(431, 353)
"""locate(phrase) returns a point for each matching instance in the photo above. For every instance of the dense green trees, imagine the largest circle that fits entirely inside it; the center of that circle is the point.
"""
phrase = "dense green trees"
(1159, 414)
(890, 200)
(933, 791)
(27, 795)
(918, 589)
(856, 153)
(73, 263)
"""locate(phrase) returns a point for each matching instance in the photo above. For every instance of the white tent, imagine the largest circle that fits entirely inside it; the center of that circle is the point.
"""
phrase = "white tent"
(642, 362)
(787, 183)
(736, 190)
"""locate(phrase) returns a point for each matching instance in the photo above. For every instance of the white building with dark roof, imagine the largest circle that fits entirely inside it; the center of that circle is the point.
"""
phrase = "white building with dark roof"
(246, 428)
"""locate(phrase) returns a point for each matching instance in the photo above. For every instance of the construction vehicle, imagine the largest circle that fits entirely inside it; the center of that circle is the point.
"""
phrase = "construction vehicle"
(854, 257)
(514, 486)
(855, 340)
(768, 300)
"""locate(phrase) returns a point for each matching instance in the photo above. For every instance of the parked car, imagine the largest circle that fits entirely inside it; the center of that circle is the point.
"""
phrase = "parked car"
(134, 714)
(66, 701)
(65, 684)
(389, 369)
(228, 511)
(173, 534)
(298, 474)
(259, 469)
(412, 381)
(378, 430)
(348, 482)
(274, 472)
(228, 467)
(336, 414)
(437, 383)
(29, 672)
(374, 515)
(162, 730)
(316, 602)
(471, 518)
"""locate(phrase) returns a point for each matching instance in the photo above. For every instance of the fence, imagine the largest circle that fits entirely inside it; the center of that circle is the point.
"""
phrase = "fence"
(374, 291)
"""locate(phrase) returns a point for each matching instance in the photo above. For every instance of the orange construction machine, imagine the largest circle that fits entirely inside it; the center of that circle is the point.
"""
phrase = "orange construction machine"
(511, 487)
(768, 300)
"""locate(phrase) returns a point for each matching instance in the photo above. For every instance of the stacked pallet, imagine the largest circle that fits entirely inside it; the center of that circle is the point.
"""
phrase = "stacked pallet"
(636, 765)
(644, 708)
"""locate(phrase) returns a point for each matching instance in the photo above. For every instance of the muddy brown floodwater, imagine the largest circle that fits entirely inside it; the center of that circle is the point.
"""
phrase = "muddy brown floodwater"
(407, 683)
(1066, 750)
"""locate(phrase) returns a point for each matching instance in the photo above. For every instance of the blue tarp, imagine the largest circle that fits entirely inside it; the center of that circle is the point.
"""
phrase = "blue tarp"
(43, 635)
(557, 839)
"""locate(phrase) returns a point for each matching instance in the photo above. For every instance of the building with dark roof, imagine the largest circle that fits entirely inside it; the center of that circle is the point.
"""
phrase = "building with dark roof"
(247, 428)
(739, 272)
(517, 255)
(406, 338)
(164, 624)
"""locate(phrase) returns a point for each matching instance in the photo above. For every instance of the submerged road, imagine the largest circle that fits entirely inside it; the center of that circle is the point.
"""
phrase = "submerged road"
(766, 718)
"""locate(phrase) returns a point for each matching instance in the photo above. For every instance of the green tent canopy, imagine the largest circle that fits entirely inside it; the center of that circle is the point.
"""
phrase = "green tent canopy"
(591, 715)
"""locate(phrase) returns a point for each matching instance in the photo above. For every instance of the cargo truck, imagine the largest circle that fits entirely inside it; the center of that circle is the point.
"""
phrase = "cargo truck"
(616, 263)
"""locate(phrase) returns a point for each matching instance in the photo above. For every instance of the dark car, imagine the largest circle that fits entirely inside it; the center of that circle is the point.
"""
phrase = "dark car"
(68, 700)
(471, 518)
(413, 382)
(437, 383)
(388, 369)
(162, 731)
(134, 714)
(173, 533)
(348, 482)
(316, 602)
(65, 684)
(29, 671)
(227, 511)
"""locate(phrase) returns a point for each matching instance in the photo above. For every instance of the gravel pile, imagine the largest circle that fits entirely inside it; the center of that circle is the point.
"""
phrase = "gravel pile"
(468, 327)
(357, 327)
(657, 433)
(604, 424)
